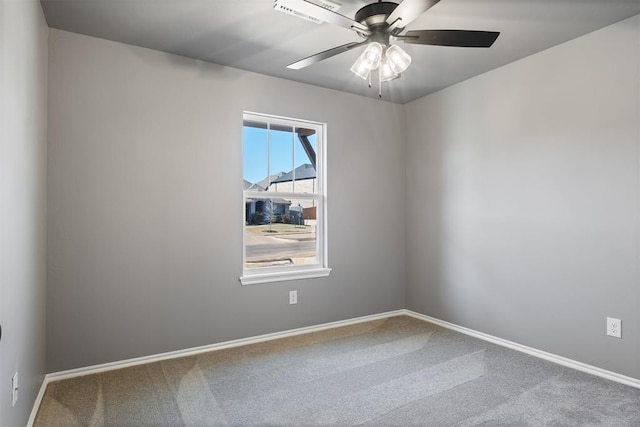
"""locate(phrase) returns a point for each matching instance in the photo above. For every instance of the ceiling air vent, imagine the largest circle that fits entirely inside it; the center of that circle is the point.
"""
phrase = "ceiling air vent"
(327, 4)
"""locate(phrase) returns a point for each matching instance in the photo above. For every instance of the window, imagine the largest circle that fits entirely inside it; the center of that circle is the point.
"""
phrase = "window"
(284, 199)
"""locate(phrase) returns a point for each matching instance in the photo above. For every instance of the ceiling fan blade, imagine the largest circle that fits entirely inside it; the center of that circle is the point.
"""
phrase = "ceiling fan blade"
(324, 55)
(313, 10)
(407, 11)
(457, 38)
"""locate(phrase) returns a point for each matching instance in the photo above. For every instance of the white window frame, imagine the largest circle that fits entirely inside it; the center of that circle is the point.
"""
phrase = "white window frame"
(252, 276)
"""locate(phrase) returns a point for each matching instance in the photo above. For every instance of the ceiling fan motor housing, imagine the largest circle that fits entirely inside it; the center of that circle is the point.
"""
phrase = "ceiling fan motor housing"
(375, 14)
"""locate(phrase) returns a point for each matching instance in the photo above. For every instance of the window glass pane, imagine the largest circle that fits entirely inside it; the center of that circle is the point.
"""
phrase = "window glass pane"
(305, 160)
(281, 158)
(255, 159)
(280, 232)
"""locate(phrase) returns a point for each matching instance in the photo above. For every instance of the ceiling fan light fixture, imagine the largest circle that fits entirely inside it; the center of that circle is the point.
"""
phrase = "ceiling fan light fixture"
(398, 59)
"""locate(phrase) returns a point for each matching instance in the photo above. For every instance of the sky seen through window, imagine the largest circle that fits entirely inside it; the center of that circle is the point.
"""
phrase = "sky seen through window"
(286, 152)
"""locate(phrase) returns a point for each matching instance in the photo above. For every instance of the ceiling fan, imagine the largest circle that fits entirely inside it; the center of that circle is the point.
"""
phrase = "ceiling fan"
(379, 23)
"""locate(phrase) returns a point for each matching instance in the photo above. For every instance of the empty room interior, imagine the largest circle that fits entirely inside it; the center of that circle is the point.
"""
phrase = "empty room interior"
(319, 212)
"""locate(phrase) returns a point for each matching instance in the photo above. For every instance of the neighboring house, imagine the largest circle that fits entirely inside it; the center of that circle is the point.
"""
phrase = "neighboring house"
(259, 211)
(301, 180)
(248, 186)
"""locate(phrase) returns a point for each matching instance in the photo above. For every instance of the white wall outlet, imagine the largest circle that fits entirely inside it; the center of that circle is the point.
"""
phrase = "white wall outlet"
(293, 297)
(14, 388)
(614, 327)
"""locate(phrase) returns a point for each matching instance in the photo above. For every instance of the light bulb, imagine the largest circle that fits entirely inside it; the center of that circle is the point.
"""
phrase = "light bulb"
(398, 59)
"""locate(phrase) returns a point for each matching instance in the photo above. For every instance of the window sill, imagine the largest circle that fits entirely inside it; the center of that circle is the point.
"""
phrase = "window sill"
(282, 276)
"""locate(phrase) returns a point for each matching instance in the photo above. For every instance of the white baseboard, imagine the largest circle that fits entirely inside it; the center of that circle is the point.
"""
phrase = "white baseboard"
(599, 372)
(72, 373)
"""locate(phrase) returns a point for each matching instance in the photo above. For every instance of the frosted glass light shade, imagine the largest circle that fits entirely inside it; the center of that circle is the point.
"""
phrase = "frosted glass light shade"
(359, 69)
(386, 72)
(369, 60)
(372, 55)
(398, 59)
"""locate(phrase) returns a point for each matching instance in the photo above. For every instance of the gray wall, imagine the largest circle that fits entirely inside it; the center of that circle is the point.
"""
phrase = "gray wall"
(23, 132)
(145, 207)
(523, 200)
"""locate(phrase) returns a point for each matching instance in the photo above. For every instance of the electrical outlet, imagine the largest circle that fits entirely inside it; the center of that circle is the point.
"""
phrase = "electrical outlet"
(14, 388)
(614, 327)
(293, 297)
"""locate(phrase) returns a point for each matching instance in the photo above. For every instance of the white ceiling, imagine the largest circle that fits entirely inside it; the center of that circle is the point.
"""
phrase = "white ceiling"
(251, 35)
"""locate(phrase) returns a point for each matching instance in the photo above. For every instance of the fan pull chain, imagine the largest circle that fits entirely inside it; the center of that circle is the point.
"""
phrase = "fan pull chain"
(379, 84)
(369, 80)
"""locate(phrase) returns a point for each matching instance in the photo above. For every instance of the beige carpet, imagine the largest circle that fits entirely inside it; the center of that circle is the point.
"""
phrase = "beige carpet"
(397, 371)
